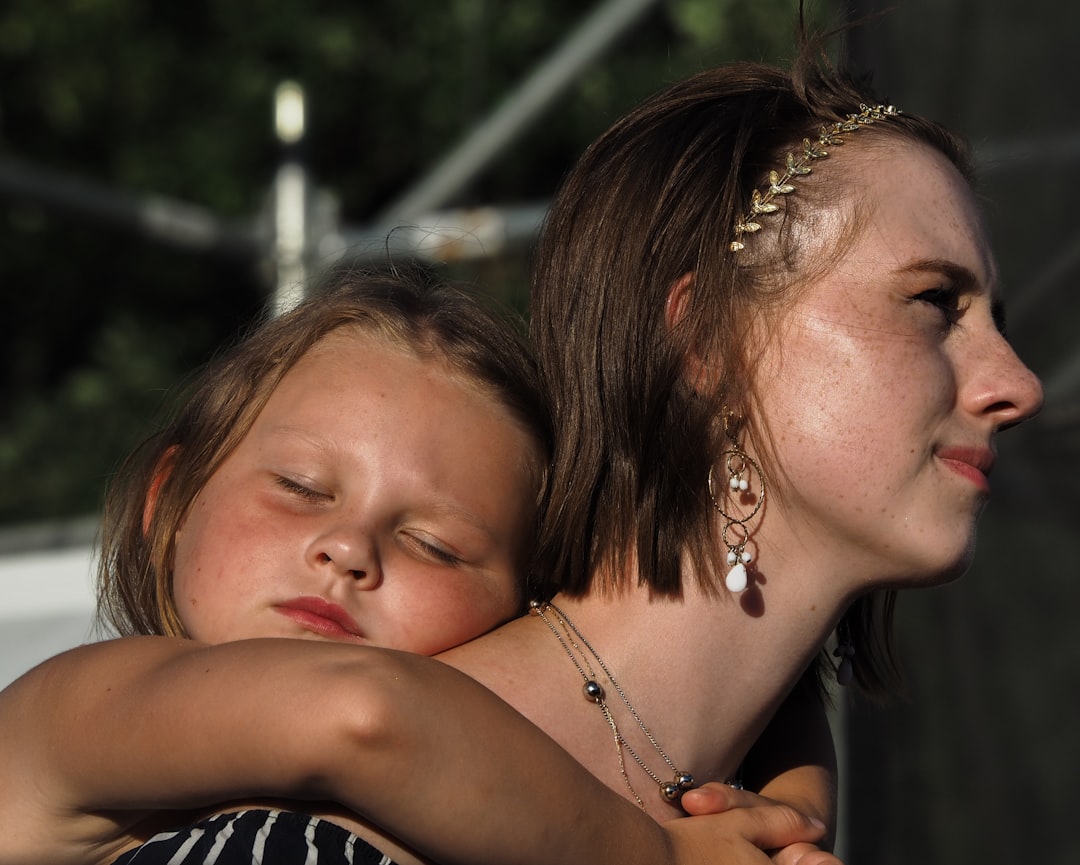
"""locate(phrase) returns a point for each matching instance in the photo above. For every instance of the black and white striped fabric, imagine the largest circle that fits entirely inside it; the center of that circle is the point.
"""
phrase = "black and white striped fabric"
(256, 837)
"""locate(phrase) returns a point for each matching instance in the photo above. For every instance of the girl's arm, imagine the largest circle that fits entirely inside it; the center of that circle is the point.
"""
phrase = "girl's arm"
(98, 738)
(793, 762)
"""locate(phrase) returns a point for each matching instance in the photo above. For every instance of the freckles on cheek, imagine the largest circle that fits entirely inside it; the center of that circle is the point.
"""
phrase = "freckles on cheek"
(811, 404)
(196, 584)
(832, 397)
(464, 616)
(799, 373)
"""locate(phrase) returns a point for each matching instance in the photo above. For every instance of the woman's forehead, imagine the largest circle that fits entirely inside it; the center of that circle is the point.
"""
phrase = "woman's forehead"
(910, 205)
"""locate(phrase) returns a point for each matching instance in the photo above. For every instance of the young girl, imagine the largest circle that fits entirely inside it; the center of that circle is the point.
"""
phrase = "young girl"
(362, 471)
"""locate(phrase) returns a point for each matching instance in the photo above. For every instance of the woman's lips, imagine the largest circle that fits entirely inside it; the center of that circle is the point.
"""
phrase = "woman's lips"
(321, 617)
(974, 464)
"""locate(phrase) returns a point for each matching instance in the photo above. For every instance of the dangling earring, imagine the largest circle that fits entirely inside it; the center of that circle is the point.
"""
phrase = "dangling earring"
(845, 651)
(735, 533)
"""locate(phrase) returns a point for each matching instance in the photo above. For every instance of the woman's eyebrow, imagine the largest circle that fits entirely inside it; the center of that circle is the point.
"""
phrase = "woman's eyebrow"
(962, 277)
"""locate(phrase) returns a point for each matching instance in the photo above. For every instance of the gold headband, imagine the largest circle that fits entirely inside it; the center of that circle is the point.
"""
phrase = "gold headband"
(797, 166)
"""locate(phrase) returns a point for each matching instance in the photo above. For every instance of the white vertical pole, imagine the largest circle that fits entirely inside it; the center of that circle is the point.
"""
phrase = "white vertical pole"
(290, 201)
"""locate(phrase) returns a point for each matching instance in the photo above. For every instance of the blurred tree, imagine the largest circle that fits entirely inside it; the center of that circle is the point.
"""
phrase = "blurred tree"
(176, 100)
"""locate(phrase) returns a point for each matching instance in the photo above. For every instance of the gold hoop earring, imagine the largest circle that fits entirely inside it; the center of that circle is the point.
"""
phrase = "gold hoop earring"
(735, 534)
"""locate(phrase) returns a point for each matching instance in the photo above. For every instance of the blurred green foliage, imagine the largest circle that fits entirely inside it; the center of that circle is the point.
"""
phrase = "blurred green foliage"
(176, 100)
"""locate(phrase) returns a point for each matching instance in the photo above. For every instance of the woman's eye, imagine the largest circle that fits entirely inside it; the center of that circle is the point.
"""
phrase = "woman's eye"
(945, 299)
(298, 489)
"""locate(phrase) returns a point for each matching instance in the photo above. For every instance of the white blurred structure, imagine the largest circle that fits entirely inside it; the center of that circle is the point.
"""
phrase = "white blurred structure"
(46, 594)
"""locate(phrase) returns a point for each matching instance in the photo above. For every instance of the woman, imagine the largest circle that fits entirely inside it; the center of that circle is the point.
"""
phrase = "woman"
(752, 277)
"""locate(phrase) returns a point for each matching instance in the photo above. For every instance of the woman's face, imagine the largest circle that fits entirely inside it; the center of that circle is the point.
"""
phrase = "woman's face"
(888, 378)
(377, 498)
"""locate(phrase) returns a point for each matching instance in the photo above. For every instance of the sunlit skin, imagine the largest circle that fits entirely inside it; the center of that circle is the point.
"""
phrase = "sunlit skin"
(889, 377)
(378, 498)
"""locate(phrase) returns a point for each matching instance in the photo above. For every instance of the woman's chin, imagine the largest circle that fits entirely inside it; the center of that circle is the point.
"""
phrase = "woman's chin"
(937, 571)
(949, 568)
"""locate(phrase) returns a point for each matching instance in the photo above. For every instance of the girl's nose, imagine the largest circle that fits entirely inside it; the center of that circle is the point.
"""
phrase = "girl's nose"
(349, 552)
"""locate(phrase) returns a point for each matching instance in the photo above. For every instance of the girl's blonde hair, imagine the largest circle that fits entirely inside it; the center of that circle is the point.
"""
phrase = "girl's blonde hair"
(407, 308)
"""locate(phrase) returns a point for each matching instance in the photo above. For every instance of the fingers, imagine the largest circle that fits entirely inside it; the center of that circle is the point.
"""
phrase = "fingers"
(742, 835)
(715, 798)
(771, 827)
(804, 854)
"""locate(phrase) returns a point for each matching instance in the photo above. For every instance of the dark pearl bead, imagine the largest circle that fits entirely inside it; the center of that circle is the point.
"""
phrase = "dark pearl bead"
(845, 672)
(593, 691)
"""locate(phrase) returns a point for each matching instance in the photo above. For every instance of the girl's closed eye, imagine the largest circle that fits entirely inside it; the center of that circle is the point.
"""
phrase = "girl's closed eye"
(431, 549)
(299, 490)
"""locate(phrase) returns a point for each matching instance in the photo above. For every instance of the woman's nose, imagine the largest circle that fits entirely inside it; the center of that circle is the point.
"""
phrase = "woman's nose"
(1008, 392)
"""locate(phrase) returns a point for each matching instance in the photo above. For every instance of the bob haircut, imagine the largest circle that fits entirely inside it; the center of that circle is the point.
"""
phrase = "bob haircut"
(407, 309)
(656, 198)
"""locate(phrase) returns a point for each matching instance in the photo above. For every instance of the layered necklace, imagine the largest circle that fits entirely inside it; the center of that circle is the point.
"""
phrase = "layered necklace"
(581, 652)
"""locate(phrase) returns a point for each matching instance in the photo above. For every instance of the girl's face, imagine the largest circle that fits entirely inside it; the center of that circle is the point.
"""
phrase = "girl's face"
(889, 377)
(377, 498)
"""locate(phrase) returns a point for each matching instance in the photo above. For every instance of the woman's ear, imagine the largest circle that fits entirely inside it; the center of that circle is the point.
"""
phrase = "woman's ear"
(161, 474)
(678, 300)
(700, 378)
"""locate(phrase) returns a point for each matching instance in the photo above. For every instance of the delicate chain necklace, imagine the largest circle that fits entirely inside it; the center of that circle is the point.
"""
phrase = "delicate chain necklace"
(572, 642)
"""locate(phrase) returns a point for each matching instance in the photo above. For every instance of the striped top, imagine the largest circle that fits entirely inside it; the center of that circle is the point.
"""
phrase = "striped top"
(256, 837)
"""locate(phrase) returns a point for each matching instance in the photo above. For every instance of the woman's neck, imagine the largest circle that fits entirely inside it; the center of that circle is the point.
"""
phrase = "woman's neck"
(713, 669)
(703, 673)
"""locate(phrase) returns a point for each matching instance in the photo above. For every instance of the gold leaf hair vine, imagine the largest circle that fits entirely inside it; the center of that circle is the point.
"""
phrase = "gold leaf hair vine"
(797, 166)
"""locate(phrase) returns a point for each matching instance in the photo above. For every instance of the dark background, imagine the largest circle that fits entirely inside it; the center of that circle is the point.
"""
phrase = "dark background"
(109, 106)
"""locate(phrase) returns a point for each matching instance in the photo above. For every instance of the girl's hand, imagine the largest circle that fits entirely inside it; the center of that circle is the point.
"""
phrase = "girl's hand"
(791, 848)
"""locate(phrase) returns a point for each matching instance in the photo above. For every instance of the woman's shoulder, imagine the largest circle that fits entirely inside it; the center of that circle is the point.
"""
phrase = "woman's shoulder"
(256, 837)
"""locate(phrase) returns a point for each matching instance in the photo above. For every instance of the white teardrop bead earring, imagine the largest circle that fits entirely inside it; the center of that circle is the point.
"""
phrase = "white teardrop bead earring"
(735, 533)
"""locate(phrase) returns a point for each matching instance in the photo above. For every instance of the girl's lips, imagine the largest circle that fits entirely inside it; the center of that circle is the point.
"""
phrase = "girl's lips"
(321, 617)
(974, 464)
